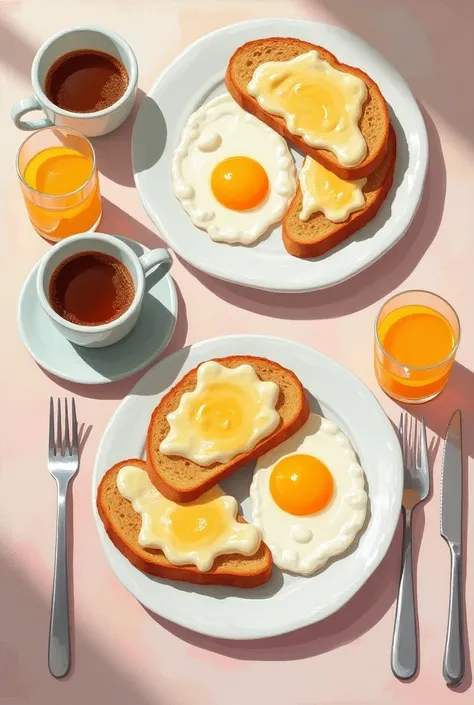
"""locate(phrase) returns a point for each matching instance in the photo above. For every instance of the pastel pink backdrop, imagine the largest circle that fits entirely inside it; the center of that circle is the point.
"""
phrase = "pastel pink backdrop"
(122, 654)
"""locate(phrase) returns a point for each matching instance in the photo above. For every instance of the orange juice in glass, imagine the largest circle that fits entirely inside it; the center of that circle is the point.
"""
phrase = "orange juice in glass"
(59, 180)
(416, 338)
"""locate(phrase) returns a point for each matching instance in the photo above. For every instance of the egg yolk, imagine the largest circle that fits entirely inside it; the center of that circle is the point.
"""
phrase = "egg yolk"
(239, 183)
(301, 485)
(197, 525)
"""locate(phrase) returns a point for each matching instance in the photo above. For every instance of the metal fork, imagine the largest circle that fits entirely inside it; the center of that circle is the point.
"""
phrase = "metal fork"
(416, 490)
(63, 463)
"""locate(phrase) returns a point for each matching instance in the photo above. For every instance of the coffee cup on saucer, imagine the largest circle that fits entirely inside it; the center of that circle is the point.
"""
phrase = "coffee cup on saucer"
(84, 78)
(91, 287)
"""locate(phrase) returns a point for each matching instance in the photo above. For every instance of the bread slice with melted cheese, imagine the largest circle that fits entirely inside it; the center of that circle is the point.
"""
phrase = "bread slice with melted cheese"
(181, 480)
(317, 235)
(374, 121)
(123, 524)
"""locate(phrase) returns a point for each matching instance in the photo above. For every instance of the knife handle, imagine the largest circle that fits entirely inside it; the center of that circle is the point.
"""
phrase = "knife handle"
(453, 663)
(405, 640)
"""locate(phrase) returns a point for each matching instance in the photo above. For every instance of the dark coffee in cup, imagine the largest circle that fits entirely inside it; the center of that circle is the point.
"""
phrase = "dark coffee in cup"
(86, 81)
(91, 289)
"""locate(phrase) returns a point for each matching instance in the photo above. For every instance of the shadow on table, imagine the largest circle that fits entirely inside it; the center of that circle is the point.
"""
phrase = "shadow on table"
(24, 615)
(24, 676)
(116, 222)
(113, 151)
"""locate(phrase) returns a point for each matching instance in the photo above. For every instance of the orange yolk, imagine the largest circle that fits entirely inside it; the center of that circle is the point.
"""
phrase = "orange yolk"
(417, 336)
(301, 485)
(239, 183)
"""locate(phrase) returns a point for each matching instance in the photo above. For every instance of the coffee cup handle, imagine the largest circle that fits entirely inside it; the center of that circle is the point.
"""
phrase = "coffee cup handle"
(26, 105)
(154, 258)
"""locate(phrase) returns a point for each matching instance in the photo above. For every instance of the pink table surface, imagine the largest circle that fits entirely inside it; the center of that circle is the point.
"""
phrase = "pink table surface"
(123, 655)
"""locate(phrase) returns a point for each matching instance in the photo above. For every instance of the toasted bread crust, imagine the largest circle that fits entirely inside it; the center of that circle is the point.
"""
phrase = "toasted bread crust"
(376, 190)
(291, 47)
(162, 469)
(233, 570)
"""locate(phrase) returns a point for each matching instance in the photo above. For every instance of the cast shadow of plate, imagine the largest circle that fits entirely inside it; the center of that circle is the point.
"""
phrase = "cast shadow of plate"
(150, 121)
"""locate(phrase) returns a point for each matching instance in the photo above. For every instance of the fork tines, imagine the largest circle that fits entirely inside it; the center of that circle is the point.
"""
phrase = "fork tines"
(412, 433)
(59, 445)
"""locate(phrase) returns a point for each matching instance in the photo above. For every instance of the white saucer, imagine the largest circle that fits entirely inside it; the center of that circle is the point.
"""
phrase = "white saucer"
(100, 365)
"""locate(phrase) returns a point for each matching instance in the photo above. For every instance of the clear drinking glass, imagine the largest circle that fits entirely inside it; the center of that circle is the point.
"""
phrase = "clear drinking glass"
(61, 162)
(414, 384)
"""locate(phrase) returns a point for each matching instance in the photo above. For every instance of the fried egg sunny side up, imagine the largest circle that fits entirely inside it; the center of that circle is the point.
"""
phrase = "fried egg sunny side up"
(308, 497)
(232, 174)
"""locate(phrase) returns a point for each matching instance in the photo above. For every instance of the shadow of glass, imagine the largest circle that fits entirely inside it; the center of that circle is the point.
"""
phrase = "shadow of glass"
(150, 121)
(116, 222)
(458, 394)
(113, 151)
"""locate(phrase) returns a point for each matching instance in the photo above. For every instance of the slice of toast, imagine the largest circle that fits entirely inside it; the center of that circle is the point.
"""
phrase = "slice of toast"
(317, 235)
(181, 480)
(374, 122)
(123, 525)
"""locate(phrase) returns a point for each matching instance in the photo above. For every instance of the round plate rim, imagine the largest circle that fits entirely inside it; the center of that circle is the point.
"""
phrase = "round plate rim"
(382, 548)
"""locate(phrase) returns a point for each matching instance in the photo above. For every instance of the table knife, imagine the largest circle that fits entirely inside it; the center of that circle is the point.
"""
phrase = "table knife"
(451, 531)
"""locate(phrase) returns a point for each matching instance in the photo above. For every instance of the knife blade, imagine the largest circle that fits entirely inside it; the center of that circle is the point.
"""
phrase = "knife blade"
(451, 531)
(451, 482)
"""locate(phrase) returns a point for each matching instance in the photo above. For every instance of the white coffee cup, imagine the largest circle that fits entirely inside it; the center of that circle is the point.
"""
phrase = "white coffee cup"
(89, 124)
(107, 333)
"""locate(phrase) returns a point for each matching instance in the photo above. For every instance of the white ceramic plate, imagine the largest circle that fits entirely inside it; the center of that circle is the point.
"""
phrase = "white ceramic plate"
(73, 363)
(286, 602)
(196, 76)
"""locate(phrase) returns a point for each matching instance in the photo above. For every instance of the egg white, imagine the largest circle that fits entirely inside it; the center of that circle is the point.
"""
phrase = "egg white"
(303, 544)
(218, 130)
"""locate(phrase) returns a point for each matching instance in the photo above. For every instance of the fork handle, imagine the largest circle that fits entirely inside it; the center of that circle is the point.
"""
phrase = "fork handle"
(405, 641)
(453, 662)
(59, 648)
